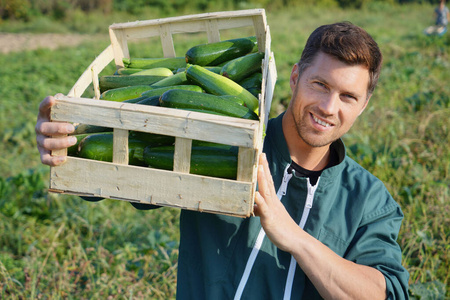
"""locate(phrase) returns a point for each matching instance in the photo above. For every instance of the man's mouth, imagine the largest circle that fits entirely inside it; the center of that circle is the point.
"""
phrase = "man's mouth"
(323, 123)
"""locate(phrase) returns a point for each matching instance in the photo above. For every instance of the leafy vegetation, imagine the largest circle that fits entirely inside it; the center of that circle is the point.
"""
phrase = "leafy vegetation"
(59, 246)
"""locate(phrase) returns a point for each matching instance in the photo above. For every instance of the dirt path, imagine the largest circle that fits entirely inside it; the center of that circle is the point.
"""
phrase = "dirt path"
(12, 42)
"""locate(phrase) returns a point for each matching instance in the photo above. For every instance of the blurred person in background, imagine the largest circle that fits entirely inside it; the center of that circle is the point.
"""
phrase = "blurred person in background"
(442, 15)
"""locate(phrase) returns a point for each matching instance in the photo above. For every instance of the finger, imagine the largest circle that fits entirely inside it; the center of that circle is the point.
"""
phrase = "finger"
(43, 124)
(55, 143)
(44, 107)
(260, 205)
(262, 180)
(47, 128)
(265, 182)
(48, 159)
(266, 168)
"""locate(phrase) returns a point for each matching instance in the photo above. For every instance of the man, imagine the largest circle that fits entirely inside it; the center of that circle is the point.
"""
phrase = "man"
(333, 234)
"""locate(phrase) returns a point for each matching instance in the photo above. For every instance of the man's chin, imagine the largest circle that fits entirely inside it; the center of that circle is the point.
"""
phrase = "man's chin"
(317, 141)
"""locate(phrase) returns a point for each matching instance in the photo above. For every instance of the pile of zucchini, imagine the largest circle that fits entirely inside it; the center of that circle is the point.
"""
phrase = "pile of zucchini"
(222, 78)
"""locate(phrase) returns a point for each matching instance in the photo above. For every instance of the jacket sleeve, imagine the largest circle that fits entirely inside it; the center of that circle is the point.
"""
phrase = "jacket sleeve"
(375, 243)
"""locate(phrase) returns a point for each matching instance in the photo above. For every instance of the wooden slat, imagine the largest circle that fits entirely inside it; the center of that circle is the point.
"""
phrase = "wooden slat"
(160, 120)
(182, 155)
(120, 146)
(186, 26)
(147, 185)
(246, 164)
(120, 46)
(167, 41)
(270, 84)
(212, 31)
(86, 78)
(269, 76)
(259, 23)
(234, 15)
(95, 82)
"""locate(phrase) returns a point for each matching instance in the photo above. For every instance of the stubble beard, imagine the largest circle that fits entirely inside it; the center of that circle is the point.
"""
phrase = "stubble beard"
(310, 136)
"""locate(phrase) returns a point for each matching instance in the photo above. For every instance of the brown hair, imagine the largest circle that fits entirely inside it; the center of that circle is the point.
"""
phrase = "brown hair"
(347, 43)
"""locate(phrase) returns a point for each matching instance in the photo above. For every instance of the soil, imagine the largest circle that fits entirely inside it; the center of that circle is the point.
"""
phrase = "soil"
(13, 42)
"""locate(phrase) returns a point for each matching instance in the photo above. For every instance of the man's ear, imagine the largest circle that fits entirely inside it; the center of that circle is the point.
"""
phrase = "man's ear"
(294, 77)
(365, 104)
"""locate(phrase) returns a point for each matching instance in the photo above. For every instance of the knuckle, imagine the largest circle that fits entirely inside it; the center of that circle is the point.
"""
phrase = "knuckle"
(38, 128)
(46, 159)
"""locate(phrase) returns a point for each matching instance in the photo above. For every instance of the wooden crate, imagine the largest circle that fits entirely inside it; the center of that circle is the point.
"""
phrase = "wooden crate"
(177, 188)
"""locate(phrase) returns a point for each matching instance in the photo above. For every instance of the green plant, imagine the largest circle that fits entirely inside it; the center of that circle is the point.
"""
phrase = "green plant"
(59, 246)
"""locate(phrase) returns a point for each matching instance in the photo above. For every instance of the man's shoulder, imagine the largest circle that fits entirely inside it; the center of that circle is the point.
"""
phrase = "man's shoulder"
(378, 199)
(355, 169)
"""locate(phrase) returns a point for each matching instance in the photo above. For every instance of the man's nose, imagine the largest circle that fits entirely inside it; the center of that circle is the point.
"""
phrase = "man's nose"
(329, 104)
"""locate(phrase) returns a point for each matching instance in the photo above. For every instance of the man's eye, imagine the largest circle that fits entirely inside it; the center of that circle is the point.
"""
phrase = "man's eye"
(350, 97)
(320, 84)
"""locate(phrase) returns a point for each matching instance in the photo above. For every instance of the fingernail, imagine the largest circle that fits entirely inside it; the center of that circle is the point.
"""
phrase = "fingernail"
(60, 159)
(73, 140)
(70, 128)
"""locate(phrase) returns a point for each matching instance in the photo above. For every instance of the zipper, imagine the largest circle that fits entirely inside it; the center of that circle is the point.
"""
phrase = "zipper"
(293, 263)
(287, 175)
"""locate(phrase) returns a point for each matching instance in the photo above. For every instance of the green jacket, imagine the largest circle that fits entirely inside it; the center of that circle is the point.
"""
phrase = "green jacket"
(222, 257)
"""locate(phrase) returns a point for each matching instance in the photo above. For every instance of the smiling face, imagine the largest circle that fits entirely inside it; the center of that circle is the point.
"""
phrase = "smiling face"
(327, 98)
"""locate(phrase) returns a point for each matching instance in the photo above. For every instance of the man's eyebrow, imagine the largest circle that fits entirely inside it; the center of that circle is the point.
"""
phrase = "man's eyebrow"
(317, 77)
(346, 92)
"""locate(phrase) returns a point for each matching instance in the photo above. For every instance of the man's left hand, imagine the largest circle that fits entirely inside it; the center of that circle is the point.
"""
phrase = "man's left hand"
(276, 221)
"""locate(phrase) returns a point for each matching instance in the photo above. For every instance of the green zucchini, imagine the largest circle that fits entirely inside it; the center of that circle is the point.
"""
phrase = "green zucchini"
(135, 100)
(160, 71)
(255, 44)
(252, 81)
(99, 146)
(255, 91)
(199, 143)
(73, 150)
(125, 93)
(87, 128)
(173, 63)
(127, 71)
(202, 101)
(219, 85)
(176, 79)
(208, 161)
(108, 82)
(205, 111)
(236, 99)
(152, 139)
(213, 54)
(215, 69)
(152, 101)
(161, 90)
(239, 68)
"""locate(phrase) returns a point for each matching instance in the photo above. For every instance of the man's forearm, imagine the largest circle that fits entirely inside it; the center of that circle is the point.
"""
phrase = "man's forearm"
(333, 276)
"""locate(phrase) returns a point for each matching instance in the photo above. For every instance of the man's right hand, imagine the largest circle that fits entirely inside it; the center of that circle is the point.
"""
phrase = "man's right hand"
(52, 135)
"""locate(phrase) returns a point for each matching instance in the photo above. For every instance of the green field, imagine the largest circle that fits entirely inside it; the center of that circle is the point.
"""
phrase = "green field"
(58, 246)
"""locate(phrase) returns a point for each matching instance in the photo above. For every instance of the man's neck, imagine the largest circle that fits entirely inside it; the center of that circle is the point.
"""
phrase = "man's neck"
(306, 156)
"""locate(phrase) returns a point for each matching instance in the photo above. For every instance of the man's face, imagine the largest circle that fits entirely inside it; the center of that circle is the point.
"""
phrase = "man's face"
(326, 99)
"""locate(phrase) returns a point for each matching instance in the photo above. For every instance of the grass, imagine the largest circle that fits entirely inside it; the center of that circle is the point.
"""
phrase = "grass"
(55, 246)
